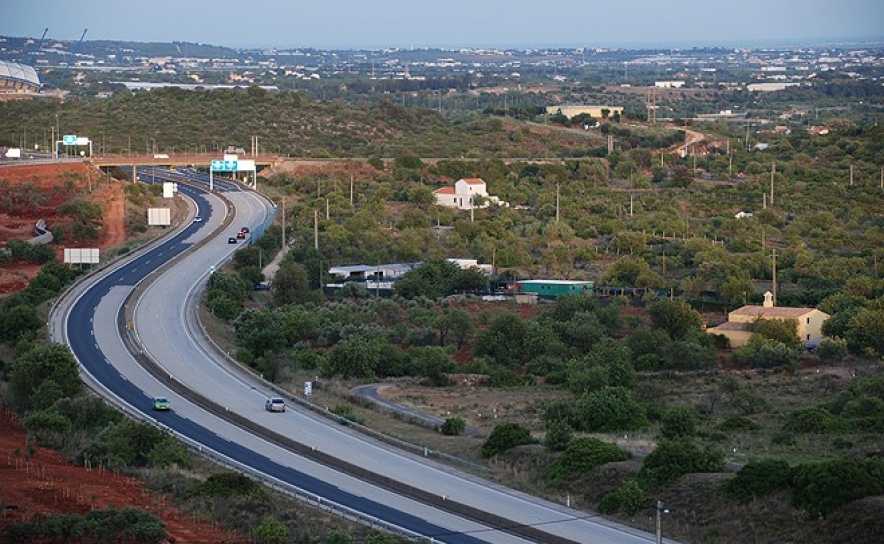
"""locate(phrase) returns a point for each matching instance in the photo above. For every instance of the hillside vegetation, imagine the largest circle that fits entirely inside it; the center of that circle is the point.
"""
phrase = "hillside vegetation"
(581, 372)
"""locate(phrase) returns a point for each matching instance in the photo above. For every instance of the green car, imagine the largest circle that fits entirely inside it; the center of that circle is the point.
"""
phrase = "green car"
(161, 404)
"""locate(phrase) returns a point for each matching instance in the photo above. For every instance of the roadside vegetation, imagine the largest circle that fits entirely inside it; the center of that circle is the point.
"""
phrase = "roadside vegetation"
(612, 403)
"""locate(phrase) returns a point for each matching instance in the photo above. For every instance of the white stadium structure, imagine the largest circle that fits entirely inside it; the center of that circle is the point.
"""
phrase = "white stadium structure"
(18, 79)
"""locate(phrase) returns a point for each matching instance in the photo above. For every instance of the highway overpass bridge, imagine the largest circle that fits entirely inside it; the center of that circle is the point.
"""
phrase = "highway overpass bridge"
(201, 159)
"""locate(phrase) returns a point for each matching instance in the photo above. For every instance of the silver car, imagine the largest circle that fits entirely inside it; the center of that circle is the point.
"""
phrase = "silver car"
(275, 404)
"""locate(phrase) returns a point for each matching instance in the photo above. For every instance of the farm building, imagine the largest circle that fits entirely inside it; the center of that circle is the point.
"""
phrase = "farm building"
(738, 328)
(550, 289)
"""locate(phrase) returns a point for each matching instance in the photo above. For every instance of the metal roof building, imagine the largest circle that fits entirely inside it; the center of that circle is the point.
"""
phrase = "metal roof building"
(18, 78)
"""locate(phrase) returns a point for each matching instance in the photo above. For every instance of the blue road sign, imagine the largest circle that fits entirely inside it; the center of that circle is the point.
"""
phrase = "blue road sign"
(69, 139)
(225, 166)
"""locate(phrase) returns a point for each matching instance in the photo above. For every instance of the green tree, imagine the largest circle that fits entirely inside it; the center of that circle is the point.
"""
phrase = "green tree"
(502, 340)
(355, 356)
(456, 324)
(291, 284)
(18, 320)
(865, 332)
(633, 272)
(831, 349)
(42, 375)
(610, 409)
(676, 317)
(271, 531)
(784, 331)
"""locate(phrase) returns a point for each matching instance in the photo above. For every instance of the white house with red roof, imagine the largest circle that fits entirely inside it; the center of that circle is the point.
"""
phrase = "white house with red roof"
(462, 194)
(738, 328)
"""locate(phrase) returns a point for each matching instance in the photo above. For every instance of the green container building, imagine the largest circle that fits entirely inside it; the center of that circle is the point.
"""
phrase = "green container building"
(550, 289)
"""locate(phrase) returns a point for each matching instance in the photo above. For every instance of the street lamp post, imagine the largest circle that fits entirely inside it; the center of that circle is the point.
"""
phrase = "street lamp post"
(661, 509)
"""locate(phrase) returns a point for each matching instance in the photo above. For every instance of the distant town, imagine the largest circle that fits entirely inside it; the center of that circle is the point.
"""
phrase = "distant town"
(97, 67)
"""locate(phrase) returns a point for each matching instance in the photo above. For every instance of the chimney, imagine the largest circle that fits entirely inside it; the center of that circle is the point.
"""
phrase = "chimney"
(768, 300)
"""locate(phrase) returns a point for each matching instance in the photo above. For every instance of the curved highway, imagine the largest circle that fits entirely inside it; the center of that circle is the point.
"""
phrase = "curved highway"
(165, 329)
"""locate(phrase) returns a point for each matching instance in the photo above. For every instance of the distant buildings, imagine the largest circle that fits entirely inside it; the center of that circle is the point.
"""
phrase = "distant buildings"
(669, 84)
(770, 86)
(597, 112)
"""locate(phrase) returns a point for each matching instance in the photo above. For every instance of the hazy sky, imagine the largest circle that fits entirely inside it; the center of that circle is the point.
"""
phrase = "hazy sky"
(375, 24)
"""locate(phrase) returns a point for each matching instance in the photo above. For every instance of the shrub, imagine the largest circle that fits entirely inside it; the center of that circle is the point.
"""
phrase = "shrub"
(227, 484)
(583, 455)
(558, 435)
(759, 478)
(813, 420)
(738, 423)
(679, 422)
(610, 409)
(453, 426)
(504, 437)
(675, 458)
(629, 498)
(820, 488)
(347, 413)
(831, 349)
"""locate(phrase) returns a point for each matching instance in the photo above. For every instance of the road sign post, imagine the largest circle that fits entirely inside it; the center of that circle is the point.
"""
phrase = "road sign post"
(221, 166)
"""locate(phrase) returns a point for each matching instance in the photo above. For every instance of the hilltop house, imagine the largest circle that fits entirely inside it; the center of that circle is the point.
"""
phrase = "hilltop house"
(461, 195)
(739, 322)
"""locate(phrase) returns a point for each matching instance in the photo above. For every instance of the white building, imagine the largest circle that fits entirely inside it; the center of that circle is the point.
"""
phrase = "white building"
(462, 194)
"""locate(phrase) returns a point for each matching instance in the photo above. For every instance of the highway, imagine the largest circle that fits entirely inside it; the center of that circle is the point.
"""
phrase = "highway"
(164, 327)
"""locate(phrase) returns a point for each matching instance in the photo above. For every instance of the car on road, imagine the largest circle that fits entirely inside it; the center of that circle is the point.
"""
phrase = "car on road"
(244, 229)
(197, 219)
(231, 240)
(241, 235)
(275, 404)
(161, 404)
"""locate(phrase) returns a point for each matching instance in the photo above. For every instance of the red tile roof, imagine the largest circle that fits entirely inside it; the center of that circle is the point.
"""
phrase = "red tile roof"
(448, 190)
(774, 312)
(474, 181)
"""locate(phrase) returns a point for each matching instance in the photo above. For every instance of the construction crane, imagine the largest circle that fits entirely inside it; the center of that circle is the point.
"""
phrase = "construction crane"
(64, 72)
(43, 37)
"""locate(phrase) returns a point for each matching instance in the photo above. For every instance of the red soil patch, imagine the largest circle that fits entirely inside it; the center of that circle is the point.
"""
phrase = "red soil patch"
(35, 192)
(48, 484)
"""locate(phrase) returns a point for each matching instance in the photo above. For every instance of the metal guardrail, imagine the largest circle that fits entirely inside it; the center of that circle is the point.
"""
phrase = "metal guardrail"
(441, 502)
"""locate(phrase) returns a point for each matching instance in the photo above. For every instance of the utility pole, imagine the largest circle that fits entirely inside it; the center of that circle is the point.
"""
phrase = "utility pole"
(351, 190)
(557, 202)
(851, 174)
(316, 230)
(774, 276)
(283, 225)
(773, 171)
(630, 205)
